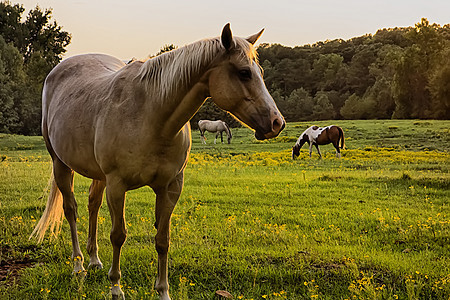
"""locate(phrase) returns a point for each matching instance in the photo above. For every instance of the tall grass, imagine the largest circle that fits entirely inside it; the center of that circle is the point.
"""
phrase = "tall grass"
(371, 225)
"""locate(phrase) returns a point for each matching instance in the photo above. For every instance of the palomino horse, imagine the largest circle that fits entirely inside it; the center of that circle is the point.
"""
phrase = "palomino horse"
(126, 126)
(217, 127)
(320, 136)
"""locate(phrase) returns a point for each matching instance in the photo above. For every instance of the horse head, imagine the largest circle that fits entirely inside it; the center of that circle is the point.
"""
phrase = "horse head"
(236, 85)
(295, 151)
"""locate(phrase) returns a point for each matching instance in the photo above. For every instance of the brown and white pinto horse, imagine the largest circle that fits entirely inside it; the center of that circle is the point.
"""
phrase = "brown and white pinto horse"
(126, 126)
(316, 136)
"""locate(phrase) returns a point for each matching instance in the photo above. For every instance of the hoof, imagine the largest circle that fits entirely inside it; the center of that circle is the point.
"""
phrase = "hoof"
(116, 293)
(164, 296)
(80, 273)
(78, 269)
(118, 297)
(96, 266)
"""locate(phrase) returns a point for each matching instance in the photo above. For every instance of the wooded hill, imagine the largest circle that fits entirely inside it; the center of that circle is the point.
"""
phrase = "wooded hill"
(395, 73)
(400, 73)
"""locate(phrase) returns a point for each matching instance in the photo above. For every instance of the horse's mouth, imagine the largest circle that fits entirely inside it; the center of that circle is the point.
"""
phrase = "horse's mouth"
(265, 136)
(260, 136)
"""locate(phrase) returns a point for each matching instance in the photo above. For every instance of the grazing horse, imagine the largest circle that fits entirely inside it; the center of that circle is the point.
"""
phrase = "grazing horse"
(217, 127)
(316, 136)
(126, 126)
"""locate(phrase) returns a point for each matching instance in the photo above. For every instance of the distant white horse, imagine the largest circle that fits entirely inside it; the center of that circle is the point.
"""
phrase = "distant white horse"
(316, 136)
(214, 126)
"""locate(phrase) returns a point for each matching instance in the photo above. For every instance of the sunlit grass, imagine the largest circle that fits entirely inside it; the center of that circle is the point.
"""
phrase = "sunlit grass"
(371, 225)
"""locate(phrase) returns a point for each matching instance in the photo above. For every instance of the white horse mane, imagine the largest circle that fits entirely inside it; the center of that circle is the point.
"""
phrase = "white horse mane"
(171, 71)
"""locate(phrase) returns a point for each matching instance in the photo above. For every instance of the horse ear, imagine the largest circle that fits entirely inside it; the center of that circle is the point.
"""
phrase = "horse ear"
(253, 38)
(227, 37)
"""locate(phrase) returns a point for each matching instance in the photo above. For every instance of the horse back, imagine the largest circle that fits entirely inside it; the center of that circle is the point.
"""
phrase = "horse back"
(83, 69)
(328, 135)
(73, 95)
(76, 81)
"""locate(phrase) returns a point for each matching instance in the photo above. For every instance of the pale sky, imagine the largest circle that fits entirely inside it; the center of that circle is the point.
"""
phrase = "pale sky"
(138, 28)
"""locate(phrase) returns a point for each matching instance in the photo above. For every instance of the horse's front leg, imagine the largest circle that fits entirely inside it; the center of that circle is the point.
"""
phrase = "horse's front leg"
(310, 148)
(166, 199)
(115, 196)
(95, 201)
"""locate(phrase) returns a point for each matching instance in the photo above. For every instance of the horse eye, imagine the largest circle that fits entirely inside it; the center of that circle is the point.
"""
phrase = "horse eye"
(245, 74)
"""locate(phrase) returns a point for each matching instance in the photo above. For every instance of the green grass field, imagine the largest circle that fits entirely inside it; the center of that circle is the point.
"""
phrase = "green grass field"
(374, 224)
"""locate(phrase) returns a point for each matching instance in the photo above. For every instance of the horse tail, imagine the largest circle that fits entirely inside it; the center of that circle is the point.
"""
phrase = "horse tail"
(228, 130)
(53, 213)
(341, 137)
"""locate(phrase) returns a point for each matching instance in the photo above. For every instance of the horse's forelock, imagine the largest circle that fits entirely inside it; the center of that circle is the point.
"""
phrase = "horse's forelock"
(246, 50)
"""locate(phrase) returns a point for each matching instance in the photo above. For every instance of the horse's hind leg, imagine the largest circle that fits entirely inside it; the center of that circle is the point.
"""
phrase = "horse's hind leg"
(202, 136)
(221, 137)
(338, 151)
(64, 180)
(95, 201)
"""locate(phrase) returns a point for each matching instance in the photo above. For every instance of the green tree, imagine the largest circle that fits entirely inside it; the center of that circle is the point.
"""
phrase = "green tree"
(37, 34)
(210, 111)
(325, 71)
(11, 27)
(383, 70)
(299, 106)
(411, 93)
(439, 86)
(37, 45)
(166, 48)
(356, 107)
(323, 109)
(11, 84)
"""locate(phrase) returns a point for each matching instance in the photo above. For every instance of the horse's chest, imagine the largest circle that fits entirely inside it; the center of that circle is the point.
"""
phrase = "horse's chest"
(159, 168)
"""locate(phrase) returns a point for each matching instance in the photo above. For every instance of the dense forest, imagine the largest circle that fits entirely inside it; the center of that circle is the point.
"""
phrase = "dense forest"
(395, 73)
(29, 49)
(400, 73)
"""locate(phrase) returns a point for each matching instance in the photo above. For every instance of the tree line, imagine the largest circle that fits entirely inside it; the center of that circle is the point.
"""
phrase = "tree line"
(29, 49)
(399, 73)
(395, 73)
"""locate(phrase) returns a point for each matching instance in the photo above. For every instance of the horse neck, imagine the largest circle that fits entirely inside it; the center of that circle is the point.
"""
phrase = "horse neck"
(300, 140)
(176, 84)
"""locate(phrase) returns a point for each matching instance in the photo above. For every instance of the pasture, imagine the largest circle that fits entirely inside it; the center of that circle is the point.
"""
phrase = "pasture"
(374, 224)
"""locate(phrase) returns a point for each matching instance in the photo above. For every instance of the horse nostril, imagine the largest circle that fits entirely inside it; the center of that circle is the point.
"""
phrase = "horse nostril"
(278, 125)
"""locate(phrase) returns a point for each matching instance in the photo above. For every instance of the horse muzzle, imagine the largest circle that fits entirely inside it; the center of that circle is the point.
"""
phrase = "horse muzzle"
(277, 125)
(295, 152)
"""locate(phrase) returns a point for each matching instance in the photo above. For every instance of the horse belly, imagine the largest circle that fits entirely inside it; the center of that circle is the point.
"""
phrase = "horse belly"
(75, 148)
